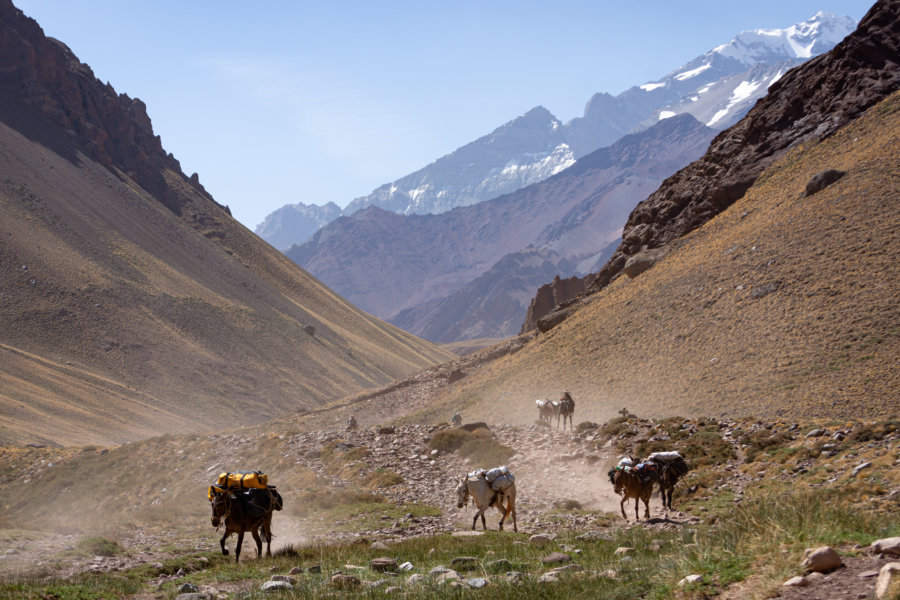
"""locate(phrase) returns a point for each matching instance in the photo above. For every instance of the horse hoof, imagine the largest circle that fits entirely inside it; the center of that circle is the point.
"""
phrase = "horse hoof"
(225, 551)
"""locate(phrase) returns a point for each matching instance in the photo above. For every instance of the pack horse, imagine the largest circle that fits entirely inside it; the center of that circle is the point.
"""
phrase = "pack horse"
(243, 502)
(496, 487)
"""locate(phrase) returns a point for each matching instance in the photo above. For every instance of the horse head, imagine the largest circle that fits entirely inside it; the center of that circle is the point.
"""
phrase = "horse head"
(221, 508)
(462, 492)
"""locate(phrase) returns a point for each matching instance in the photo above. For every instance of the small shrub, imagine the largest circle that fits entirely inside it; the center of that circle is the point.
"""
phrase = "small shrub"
(586, 426)
(479, 445)
(382, 478)
(868, 432)
(764, 441)
(99, 546)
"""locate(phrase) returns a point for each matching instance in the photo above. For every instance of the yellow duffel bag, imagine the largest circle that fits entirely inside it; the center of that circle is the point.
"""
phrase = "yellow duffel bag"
(241, 480)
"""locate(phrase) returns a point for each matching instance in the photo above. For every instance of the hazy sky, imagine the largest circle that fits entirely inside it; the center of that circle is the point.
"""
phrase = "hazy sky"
(279, 102)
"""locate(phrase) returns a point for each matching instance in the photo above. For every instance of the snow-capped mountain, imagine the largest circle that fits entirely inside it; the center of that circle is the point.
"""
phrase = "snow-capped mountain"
(525, 150)
(717, 88)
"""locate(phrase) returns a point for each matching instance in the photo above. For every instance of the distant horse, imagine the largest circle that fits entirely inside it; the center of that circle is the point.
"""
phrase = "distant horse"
(239, 517)
(630, 485)
(484, 497)
(547, 409)
(565, 409)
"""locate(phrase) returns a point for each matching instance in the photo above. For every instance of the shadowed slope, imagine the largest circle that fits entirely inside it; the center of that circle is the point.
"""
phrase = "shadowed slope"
(783, 305)
(131, 302)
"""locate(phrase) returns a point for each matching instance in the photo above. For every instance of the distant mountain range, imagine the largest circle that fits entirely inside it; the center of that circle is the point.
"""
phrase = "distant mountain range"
(471, 272)
(717, 88)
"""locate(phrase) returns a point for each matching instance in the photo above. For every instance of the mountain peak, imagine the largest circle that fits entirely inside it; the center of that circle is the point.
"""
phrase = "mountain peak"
(801, 40)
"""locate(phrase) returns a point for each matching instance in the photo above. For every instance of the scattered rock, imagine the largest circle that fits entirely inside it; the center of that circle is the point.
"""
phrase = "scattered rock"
(822, 180)
(296, 571)
(500, 565)
(799, 581)
(393, 590)
(822, 559)
(287, 578)
(477, 582)
(407, 566)
(383, 564)
(556, 558)
(315, 569)
(690, 579)
(886, 546)
(888, 584)
(859, 468)
(816, 433)
(539, 539)
(550, 577)
(188, 588)
(415, 579)
(276, 586)
(623, 550)
(341, 581)
(465, 563)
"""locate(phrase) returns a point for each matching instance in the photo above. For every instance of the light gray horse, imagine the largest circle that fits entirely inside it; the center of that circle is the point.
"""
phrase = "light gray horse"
(484, 497)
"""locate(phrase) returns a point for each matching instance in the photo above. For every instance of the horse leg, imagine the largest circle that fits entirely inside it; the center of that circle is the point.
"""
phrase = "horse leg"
(475, 520)
(237, 549)
(503, 512)
(258, 541)
(637, 501)
(222, 541)
(622, 506)
(265, 529)
(511, 509)
(483, 522)
(646, 500)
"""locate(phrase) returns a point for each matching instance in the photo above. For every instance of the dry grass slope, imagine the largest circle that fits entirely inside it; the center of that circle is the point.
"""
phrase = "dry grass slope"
(782, 306)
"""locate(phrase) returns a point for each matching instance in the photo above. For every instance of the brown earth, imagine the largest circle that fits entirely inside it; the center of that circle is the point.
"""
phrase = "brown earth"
(561, 486)
(783, 305)
(131, 303)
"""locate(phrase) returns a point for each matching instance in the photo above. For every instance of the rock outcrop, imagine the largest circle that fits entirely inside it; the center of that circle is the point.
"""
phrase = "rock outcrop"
(808, 103)
(42, 74)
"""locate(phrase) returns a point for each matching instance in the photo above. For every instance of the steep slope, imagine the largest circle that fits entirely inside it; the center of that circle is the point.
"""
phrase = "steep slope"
(131, 302)
(717, 88)
(810, 102)
(387, 263)
(782, 306)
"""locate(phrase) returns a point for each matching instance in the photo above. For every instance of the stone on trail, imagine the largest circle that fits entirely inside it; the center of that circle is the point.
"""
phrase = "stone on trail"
(888, 585)
(690, 579)
(889, 545)
(821, 559)
(799, 581)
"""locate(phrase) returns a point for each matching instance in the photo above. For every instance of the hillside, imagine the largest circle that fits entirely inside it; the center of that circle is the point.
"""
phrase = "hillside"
(132, 304)
(783, 305)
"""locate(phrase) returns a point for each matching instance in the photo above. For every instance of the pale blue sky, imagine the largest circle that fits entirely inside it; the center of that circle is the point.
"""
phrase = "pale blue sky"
(280, 102)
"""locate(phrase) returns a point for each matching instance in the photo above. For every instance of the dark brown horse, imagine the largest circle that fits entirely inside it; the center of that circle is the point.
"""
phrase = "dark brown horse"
(566, 408)
(229, 508)
(670, 471)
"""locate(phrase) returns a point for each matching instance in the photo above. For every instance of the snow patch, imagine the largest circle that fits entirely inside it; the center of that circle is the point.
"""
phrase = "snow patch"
(649, 87)
(743, 91)
(666, 114)
(692, 72)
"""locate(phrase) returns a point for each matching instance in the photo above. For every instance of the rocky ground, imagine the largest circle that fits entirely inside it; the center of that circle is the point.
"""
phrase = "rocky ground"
(561, 486)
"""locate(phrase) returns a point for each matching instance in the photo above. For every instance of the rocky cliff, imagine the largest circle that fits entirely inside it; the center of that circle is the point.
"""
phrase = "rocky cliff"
(808, 103)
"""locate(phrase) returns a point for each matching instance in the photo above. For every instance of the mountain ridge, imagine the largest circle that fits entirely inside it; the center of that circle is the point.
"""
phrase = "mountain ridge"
(133, 304)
